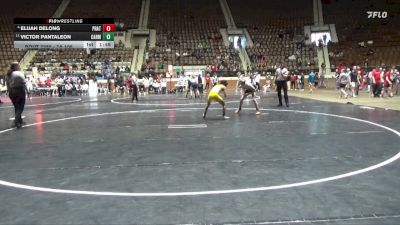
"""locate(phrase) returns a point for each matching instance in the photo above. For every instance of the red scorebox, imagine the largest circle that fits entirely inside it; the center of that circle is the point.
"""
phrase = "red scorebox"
(108, 27)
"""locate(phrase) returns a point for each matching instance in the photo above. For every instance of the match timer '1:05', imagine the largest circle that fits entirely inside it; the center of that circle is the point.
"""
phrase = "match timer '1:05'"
(108, 32)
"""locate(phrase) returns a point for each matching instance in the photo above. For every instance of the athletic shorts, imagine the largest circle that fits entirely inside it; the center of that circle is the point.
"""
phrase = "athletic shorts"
(342, 85)
(353, 84)
(214, 96)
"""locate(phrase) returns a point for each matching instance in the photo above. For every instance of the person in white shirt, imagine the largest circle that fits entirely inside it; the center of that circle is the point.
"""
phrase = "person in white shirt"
(68, 88)
(134, 78)
(146, 85)
(140, 85)
(181, 84)
(60, 83)
(29, 85)
(85, 88)
(79, 88)
(151, 83)
(3, 89)
(163, 85)
(344, 82)
(214, 80)
(195, 86)
(156, 87)
(369, 78)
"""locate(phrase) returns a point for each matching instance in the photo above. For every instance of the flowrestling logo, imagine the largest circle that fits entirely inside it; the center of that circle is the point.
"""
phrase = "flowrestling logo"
(377, 14)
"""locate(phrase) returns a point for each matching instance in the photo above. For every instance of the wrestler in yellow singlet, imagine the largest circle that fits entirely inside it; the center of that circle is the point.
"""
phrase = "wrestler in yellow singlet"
(214, 96)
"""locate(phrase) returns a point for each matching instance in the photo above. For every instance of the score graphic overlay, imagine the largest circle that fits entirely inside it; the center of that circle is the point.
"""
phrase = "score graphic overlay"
(45, 33)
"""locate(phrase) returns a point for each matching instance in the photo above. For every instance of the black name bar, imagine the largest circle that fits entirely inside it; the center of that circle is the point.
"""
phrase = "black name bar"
(55, 36)
(58, 28)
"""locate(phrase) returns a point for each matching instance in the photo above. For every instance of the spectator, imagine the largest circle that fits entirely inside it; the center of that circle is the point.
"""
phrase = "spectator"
(396, 81)
(302, 81)
(353, 81)
(388, 83)
(85, 88)
(68, 88)
(376, 82)
(311, 81)
(60, 83)
(344, 81)
(214, 80)
(119, 81)
(293, 79)
(208, 81)
(163, 83)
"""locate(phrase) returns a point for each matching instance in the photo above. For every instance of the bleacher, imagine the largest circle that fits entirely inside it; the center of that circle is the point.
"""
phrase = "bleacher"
(53, 60)
(275, 27)
(126, 14)
(188, 34)
(356, 31)
(24, 9)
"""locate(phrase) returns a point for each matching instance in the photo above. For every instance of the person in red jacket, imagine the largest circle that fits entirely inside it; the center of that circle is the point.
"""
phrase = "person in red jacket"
(387, 83)
(293, 79)
(39, 83)
(47, 82)
(376, 82)
(213, 68)
(208, 81)
(128, 84)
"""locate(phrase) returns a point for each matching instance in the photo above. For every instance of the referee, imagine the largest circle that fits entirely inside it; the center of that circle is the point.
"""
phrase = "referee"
(17, 90)
(282, 75)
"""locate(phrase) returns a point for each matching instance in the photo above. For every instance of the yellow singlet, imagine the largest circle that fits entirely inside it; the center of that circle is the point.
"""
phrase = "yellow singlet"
(214, 93)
